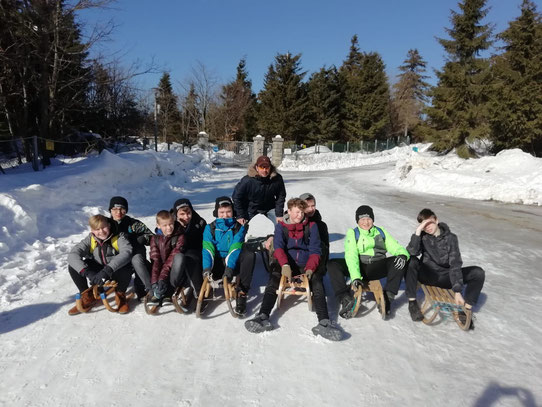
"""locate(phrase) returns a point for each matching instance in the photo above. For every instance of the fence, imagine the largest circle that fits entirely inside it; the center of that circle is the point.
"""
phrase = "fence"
(234, 153)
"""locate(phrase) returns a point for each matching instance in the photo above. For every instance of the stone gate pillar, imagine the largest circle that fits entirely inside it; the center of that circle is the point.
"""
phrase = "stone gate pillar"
(258, 147)
(278, 150)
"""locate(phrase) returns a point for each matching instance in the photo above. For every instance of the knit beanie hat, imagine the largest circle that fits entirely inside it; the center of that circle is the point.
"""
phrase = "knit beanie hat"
(118, 202)
(307, 196)
(181, 203)
(364, 211)
(222, 201)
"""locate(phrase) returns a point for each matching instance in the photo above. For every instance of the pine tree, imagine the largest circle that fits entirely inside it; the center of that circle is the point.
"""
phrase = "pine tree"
(410, 92)
(237, 110)
(366, 101)
(324, 96)
(460, 99)
(283, 101)
(168, 114)
(516, 108)
(190, 117)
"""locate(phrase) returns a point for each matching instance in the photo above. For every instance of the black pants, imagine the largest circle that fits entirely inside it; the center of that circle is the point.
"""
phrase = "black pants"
(244, 268)
(122, 276)
(338, 273)
(317, 288)
(186, 270)
(473, 278)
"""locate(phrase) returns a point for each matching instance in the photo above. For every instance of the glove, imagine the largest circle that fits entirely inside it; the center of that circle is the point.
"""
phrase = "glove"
(228, 273)
(89, 274)
(309, 274)
(286, 270)
(99, 277)
(357, 284)
(161, 288)
(400, 262)
(142, 240)
(206, 273)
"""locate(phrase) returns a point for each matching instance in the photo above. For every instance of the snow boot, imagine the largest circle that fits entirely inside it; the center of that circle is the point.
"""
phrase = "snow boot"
(326, 329)
(122, 304)
(241, 303)
(348, 303)
(414, 311)
(87, 300)
(259, 324)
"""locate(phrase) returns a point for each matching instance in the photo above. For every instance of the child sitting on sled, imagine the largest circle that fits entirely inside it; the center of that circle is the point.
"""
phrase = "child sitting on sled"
(167, 256)
(440, 265)
(223, 253)
(99, 257)
(298, 251)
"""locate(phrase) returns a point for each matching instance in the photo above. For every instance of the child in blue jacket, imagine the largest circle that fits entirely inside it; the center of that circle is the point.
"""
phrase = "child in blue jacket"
(222, 253)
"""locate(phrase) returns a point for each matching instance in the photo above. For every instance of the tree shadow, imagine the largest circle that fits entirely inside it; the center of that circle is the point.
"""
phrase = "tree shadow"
(20, 317)
(494, 394)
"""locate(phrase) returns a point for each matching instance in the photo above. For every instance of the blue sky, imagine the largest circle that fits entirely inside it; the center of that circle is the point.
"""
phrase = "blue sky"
(218, 33)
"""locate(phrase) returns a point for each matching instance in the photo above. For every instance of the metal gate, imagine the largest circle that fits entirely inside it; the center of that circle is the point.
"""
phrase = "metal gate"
(231, 153)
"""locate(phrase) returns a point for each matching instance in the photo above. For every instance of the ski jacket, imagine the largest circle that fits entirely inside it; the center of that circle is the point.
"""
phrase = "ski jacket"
(371, 246)
(440, 253)
(300, 248)
(227, 242)
(254, 194)
(163, 250)
(136, 231)
(104, 252)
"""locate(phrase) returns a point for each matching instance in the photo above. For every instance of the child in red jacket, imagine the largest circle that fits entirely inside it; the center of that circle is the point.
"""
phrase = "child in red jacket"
(167, 258)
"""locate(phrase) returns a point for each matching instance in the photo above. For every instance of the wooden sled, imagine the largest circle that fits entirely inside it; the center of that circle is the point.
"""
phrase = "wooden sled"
(374, 287)
(299, 285)
(442, 301)
(207, 293)
(107, 288)
(179, 300)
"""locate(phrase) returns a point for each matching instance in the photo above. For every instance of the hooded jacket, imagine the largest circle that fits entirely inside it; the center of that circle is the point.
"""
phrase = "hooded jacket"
(102, 251)
(295, 249)
(369, 248)
(440, 253)
(163, 250)
(254, 194)
(226, 243)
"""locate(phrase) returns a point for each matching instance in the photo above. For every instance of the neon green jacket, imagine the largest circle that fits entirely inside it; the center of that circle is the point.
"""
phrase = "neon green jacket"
(370, 247)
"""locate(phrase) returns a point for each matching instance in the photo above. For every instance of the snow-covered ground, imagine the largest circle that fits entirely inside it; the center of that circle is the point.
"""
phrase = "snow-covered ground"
(50, 359)
(510, 176)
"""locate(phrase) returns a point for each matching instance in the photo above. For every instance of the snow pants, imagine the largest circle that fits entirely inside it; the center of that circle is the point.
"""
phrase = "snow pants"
(338, 273)
(122, 276)
(473, 278)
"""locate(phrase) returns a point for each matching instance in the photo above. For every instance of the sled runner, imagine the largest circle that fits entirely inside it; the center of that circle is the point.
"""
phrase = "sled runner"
(99, 292)
(375, 288)
(179, 300)
(298, 285)
(442, 301)
(207, 293)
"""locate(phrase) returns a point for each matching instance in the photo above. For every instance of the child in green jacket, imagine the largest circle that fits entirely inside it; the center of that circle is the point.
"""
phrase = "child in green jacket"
(365, 258)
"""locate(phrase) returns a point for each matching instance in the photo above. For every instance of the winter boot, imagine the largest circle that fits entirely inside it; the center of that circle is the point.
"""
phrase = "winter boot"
(259, 324)
(414, 311)
(326, 329)
(122, 304)
(241, 304)
(87, 301)
(348, 303)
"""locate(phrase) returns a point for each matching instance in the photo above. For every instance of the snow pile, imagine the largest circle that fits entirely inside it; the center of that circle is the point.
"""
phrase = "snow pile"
(308, 161)
(510, 176)
(59, 200)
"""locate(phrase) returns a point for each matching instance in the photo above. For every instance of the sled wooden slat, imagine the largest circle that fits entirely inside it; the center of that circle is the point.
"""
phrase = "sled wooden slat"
(439, 299)
(374, 287)
(298, 285)
(230, 294)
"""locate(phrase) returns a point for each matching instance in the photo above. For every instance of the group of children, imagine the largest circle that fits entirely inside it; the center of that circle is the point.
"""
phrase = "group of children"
(185, 249)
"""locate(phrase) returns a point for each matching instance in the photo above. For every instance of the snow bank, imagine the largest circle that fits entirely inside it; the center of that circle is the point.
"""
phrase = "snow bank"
(58, 200)
(304, 161)
(511, 176)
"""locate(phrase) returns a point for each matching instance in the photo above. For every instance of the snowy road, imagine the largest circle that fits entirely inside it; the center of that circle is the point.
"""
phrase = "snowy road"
(50, 359)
